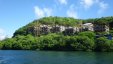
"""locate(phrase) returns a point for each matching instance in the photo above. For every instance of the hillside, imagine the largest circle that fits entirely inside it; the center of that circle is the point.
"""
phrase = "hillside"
(64, 21)
(63, 34)
(61, 21)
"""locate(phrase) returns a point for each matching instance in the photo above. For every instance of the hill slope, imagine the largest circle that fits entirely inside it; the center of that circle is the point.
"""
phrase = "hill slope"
(36, 35)
(62, 21)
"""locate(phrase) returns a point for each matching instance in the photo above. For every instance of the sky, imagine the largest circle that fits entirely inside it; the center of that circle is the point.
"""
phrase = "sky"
(17, 13)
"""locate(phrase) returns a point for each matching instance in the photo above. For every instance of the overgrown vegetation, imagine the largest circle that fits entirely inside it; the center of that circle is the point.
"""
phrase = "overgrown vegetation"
(65, 21)
(82, 41)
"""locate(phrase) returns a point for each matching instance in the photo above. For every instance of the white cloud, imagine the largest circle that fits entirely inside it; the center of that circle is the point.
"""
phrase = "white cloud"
(42, 12)
(2, 35)
(62, 2)
(39, 12)
(71, 12)
(103, 6)
(48, 11)
(87, 3)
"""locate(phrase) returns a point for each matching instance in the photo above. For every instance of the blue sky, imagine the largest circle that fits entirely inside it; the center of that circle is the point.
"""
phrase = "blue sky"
(17, 13)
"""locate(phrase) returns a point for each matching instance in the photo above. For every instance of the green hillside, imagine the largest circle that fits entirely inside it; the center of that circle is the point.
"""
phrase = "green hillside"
(65, 21)
(25, 38)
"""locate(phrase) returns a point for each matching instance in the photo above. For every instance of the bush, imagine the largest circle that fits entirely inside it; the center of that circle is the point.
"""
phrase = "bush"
(88, 34)
(102, 44)
(1, 45)
(7, 43)
(85, 43)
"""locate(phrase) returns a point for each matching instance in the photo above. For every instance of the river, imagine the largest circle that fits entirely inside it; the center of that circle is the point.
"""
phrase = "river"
(54, 57)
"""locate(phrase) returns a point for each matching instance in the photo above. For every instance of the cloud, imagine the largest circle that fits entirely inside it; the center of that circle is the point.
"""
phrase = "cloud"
(87, 3)
(42, 12)
(48, 11)
(103, 6)
(71, 12)
(62, 2)
(2, 35)
(39, 12)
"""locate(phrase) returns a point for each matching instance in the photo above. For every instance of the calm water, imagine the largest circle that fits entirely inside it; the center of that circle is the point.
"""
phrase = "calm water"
(54, 57)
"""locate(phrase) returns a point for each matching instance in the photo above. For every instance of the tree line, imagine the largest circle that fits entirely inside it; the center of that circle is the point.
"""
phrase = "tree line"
(83, 41)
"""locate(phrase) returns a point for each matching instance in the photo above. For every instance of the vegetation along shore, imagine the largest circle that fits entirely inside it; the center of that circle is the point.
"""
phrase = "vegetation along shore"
(63, 34)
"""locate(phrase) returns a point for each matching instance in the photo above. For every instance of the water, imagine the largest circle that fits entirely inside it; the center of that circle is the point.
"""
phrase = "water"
(54, 57)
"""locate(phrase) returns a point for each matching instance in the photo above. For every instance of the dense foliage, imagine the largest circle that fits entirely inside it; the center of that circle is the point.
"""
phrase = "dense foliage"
(103, 20)
(19, 43)
(82, 41)
(65, 21)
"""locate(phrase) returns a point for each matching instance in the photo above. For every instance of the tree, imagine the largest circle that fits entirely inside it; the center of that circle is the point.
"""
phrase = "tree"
(17, 46)
(102, 44)
(111, 45)
(28, 42)
(88, 34)
(1, 45)
(47, 42)
(7, 43)
(84, 43)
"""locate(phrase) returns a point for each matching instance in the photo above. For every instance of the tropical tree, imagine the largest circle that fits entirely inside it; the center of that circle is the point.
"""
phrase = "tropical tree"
(102, 44)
